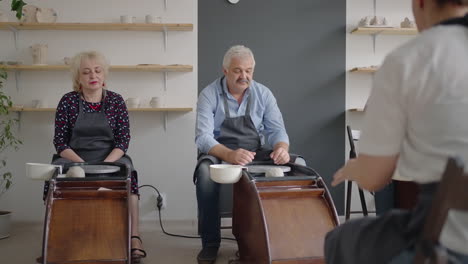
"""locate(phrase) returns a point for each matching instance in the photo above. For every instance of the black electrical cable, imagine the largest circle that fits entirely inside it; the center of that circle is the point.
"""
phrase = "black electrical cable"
(159, 206)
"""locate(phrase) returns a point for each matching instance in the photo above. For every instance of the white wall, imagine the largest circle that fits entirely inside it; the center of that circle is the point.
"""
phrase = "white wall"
(165, 159)
(360, 53)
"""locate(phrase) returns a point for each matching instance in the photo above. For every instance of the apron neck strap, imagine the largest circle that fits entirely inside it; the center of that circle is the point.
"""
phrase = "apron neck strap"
(80, 103)
(226, 107)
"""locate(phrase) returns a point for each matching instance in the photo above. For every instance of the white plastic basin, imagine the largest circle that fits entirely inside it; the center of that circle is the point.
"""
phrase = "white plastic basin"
(41, 171)
(225, 173)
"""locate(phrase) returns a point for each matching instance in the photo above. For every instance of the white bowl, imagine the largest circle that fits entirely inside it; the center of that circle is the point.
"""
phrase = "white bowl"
(41, 171)
(225, 173)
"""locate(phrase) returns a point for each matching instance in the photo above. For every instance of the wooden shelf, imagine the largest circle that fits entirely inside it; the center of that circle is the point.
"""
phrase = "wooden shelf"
(131, 68)
(356, 110)
(96, 26)
(384, 31)
(168, 109)
(364, 69)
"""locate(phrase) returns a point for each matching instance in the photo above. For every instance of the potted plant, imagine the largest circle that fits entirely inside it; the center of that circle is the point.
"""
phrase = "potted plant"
(8, 140)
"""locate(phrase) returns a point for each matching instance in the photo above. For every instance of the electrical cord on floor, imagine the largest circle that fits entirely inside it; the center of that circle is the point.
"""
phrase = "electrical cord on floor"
(159, 205)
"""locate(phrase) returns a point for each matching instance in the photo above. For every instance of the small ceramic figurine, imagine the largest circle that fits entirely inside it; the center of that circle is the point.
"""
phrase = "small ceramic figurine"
(372, 21)
(407, 23)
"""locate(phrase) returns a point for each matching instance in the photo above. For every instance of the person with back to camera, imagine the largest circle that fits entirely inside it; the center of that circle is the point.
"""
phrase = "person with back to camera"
(233, 115)
(92, 125)
(414, 122)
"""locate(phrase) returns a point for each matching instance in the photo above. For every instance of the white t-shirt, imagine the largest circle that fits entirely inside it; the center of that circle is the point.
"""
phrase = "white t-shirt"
(418, 108)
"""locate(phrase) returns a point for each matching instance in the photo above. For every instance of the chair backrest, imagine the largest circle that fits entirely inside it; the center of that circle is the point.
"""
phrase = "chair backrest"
(451, 194)
(352, 150)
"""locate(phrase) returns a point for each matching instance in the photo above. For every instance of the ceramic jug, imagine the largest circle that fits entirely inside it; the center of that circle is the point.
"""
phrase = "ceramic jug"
(39, 53)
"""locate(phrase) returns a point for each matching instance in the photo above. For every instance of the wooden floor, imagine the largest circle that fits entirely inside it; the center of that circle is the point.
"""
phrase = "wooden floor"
(25, 242)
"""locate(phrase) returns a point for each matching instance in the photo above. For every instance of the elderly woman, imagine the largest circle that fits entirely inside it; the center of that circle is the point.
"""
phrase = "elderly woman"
(91, 125)
(413, 123)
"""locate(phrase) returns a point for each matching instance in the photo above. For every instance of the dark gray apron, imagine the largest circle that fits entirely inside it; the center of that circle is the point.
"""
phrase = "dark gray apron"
(92, 137)
(377, 240)
(235, 132)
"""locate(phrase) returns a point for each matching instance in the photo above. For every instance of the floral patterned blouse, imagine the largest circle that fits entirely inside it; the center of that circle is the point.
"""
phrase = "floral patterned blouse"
(67, 113)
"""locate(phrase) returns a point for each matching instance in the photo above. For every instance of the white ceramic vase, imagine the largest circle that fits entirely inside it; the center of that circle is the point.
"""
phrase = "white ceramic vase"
(5, 224)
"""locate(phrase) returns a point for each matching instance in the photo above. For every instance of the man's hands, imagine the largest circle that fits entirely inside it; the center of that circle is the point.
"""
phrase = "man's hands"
(240, 156)
(280, 156)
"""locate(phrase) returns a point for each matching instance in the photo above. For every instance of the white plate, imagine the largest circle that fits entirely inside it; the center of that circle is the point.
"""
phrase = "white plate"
(46, 15)
(265, 168)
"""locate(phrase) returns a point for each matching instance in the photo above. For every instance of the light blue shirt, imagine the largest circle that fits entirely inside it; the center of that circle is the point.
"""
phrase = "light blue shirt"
(264, 112)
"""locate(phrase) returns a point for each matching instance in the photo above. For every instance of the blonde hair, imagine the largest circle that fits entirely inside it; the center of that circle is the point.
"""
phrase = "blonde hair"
(238, 51)
(76, 64)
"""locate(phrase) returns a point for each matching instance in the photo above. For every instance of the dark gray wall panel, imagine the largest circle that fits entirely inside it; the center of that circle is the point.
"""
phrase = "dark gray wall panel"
(299, 48)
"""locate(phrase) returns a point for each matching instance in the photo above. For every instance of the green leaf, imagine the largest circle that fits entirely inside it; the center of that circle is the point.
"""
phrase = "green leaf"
(17, 6)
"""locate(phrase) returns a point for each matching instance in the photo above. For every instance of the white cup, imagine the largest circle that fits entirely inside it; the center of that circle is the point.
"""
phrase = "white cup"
(41, 171)
(133, 102)
(150, 19)
(155, 102)
(127, 19)
(67, 60)
(37, 103)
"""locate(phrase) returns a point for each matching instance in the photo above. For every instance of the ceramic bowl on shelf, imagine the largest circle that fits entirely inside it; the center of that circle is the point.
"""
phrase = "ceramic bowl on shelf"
(29, 14)
(46, 15)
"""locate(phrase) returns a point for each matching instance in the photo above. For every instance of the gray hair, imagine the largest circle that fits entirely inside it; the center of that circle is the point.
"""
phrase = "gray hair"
(76, 64)
(238, 51)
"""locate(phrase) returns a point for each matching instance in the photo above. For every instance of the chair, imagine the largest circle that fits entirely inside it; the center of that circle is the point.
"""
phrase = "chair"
(451, 194)
(352, 155)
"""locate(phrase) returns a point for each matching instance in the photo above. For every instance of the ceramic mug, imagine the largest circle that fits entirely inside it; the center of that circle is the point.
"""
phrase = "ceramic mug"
(37, 103)
(155, 102)
(132, 102)
(67, 60)
(126, 19)
(150, 19)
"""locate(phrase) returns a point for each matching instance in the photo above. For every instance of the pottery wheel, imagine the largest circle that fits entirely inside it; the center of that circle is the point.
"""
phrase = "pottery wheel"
(100, 169)
(265, 168)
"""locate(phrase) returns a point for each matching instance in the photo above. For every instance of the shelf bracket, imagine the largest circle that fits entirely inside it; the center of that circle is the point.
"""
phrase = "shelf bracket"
(374, 39)
(19, 121)
(165, 121)
(15, 36)
(165, 81)
(375, 7)
(165, 37)
(17, 77)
